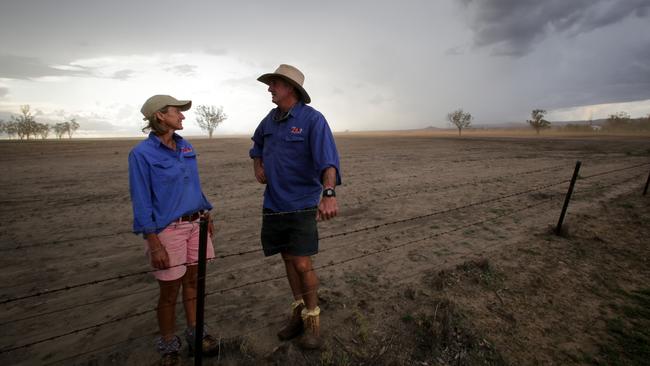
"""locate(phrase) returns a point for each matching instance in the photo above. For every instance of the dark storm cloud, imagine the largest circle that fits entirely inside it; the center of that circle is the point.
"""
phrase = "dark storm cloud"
(513, 27)
(19, 67)
(630, 79)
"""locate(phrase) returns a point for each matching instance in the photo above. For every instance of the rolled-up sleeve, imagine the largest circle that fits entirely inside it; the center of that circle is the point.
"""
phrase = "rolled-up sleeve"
(140, 189)
(258, 142)
(323, 148)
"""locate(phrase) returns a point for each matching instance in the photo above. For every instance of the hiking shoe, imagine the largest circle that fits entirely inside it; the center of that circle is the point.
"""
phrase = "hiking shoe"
(294, 327)
(170, 359)
(311, 338)
(169, 351)
(210, 344)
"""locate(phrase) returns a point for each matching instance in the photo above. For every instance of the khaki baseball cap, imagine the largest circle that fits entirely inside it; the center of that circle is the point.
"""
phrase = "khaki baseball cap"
(160, 101)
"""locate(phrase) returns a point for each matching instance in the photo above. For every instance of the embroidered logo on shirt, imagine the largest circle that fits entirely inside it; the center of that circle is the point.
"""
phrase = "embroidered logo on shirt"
(296, 130)
(186, 149)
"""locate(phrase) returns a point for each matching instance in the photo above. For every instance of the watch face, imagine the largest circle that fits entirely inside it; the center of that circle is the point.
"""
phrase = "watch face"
(329, 193)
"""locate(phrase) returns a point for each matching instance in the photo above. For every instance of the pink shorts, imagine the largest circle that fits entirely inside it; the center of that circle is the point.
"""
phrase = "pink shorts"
(181, 241)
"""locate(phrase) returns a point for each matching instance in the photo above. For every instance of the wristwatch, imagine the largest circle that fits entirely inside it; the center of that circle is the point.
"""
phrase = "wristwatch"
(329, 192)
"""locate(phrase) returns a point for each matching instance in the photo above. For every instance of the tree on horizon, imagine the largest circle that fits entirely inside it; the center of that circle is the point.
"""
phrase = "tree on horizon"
(538, 122)
(209, 117)
(71, 127)
(460, 119)
(24, 125)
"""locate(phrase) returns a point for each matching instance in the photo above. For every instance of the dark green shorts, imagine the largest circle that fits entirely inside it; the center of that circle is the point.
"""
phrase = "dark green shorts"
(293, 233)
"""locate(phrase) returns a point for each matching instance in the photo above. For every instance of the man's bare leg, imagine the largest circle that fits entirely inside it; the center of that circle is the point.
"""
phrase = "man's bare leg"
(295, 281)
(308, 280)
(311, 338)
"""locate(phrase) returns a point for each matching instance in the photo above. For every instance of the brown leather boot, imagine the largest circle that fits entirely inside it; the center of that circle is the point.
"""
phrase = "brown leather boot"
(294, 327)
(311, 323)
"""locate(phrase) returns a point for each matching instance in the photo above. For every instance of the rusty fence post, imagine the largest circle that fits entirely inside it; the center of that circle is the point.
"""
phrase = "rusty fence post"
(558, 229)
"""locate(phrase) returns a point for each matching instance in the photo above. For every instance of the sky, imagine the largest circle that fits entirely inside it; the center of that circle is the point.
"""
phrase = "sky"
(368, 65)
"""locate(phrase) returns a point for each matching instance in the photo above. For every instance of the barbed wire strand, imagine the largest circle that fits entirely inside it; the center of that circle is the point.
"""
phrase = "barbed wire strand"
(283, 314)
(252, 283)
(235, 270)
(425, 190)
(215, 274)
(373, 227)
(580, 193)
(613, 171)
(375, 252)
(112, 345)
(152, 334)
(282, 276)
(95, 302)
(93, 282)
(26, 246)
(61, 241)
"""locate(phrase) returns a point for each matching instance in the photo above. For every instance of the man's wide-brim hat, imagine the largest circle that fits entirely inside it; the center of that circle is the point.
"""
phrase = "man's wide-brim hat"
(292, 75)
(158, 102)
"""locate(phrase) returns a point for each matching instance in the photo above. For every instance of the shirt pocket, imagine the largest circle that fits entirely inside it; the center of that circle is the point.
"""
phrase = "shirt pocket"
(165, 171)
(189, 167)
(295, 145)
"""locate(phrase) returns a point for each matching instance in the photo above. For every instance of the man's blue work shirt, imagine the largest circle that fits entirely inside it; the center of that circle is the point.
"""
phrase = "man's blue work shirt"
(295, 151)
(164, 184)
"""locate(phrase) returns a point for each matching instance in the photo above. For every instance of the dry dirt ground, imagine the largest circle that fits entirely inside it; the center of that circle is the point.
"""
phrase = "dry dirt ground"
(443, 254)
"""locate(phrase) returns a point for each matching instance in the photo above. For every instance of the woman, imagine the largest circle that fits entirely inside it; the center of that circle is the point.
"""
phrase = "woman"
(167, 205)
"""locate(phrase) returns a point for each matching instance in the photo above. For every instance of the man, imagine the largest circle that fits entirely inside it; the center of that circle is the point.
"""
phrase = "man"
(294, 154)
(167, 206)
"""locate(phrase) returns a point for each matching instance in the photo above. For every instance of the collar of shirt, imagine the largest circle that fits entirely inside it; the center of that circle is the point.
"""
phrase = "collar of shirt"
(278, 116)
(157, 141)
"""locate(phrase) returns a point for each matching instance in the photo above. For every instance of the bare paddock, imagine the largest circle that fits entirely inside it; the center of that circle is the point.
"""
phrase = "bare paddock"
(413, 206)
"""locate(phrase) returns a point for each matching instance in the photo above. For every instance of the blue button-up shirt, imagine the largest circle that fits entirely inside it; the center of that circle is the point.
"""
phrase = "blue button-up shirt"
(295, 150)
(164, 184)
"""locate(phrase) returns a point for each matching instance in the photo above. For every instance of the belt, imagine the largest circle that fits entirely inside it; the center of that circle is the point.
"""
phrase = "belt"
(191, 217)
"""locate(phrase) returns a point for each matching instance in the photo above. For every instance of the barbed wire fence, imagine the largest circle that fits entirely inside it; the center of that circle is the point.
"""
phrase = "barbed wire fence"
(548, 198)
(430, 188)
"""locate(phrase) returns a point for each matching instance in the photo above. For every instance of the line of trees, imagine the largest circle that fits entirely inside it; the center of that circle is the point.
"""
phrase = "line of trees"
(25, 126)
(616, 122)
(462, 119)
(621, 121)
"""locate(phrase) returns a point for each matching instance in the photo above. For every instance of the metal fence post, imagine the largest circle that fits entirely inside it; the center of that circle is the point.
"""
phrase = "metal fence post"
(558, 229)
(645, 190)
(200, 293)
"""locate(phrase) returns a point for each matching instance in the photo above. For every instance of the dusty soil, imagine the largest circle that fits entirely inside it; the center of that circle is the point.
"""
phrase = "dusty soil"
(443, 254)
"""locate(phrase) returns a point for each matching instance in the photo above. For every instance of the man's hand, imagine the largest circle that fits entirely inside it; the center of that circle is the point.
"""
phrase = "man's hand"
(327, 209)
(159, 257)
(258, 168)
